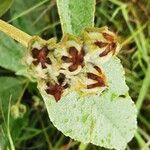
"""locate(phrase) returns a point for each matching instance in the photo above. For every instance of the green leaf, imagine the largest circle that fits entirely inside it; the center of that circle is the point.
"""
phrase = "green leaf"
(29, 13)
(108, 120)
(10, 88)
(5, 5)
(11, 53)
(75, 15)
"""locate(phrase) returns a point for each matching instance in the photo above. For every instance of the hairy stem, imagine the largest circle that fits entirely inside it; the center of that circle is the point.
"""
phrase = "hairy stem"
(15, 33)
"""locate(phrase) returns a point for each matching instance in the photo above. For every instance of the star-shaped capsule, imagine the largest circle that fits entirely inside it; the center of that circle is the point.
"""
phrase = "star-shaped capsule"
(41, 56)
(98, 78)
(56, 88)
(75, 58)
(71, 55)
(100, 44)
(92, 80)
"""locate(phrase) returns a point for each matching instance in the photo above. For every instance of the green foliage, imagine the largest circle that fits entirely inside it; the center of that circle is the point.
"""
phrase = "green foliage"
(22, 18)
(11, 53)
(5, 5)
(75, 15)
(134, 38)
(10, 88)
(10, 91)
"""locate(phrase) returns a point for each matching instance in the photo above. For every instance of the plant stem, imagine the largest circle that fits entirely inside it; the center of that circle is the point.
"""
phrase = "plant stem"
(15, 33)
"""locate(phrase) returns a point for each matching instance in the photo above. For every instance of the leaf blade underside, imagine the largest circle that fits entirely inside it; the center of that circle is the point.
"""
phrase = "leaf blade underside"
(97, 119)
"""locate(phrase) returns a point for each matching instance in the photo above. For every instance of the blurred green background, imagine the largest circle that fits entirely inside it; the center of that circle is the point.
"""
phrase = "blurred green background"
(32, 129)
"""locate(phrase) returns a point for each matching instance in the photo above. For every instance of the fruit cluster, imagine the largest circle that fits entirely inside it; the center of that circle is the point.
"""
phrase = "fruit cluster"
(72, 64)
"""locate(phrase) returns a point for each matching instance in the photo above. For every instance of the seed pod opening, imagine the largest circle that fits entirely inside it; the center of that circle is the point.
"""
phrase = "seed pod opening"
(92, 80)
(70, 54)
(54, 88)
(100, 44)
(39, 57)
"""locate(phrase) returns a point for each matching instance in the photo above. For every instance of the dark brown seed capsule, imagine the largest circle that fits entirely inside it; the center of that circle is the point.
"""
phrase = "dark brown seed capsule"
(76, 58)
(54, 89)
(40, 56)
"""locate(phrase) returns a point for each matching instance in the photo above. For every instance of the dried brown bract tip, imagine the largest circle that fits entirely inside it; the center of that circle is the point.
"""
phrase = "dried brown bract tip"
(92, 80)
(99, 79)
(111, 45)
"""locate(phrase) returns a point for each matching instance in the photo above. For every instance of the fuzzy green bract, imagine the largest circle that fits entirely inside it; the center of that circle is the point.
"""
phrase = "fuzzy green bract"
(100, 120)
